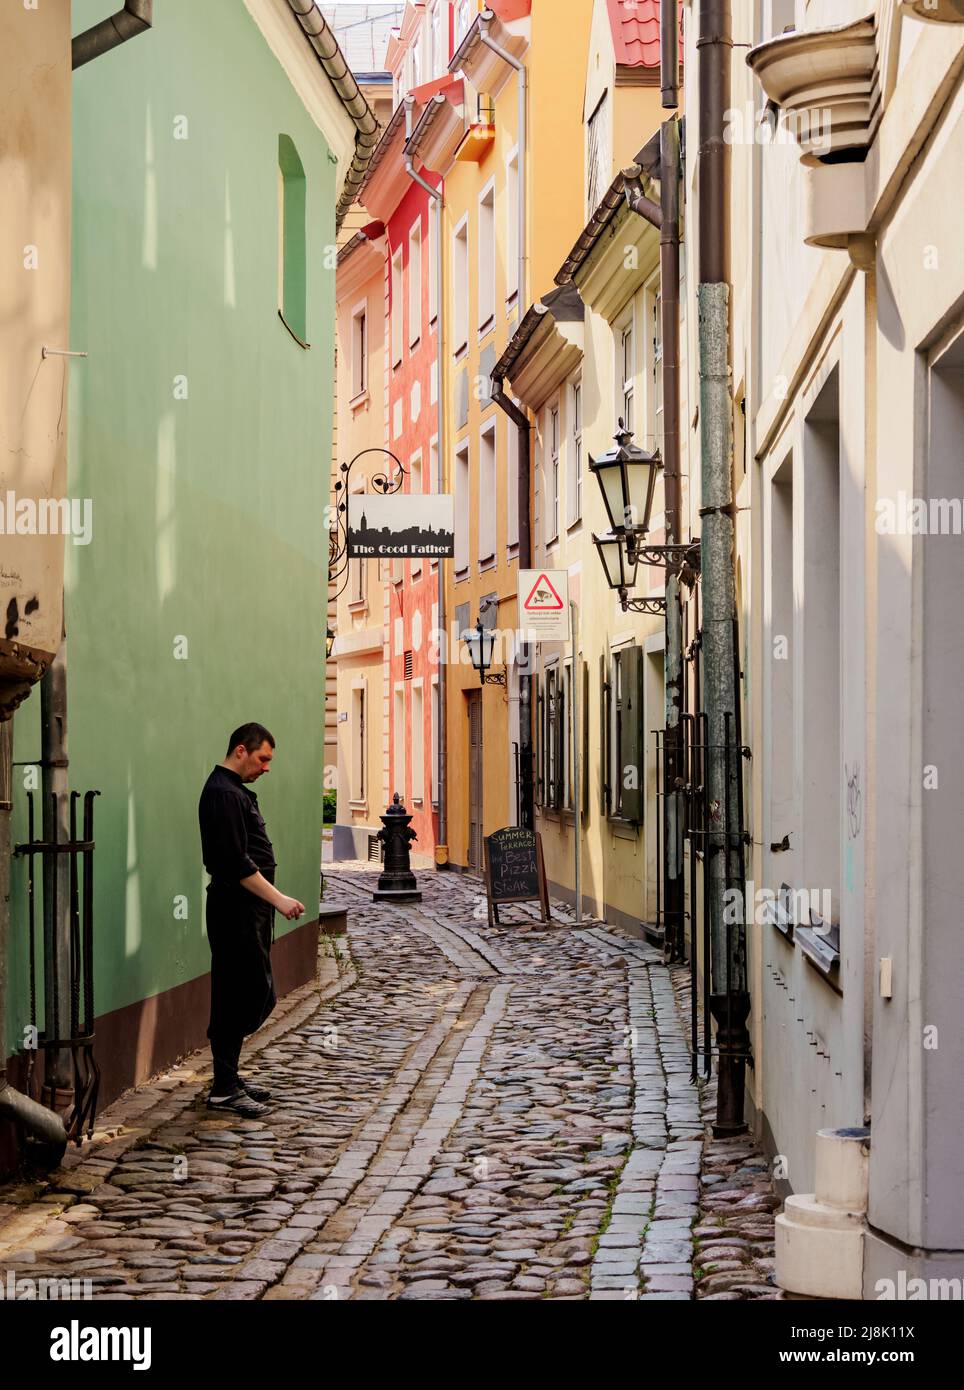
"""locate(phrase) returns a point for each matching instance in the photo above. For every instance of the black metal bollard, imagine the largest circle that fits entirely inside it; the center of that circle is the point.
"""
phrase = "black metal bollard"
(397, 883)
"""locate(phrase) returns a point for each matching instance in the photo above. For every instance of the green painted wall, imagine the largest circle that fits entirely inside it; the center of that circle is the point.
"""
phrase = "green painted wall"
(207, 511)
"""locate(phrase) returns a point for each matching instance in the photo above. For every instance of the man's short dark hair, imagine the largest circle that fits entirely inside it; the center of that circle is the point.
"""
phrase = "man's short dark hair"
(252, 736)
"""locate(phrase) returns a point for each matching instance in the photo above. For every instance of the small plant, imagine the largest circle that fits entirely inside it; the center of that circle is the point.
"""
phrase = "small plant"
(330, 803)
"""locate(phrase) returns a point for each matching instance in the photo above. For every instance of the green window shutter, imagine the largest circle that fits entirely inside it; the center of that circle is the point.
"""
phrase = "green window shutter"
(605, 711)
(562, 722)
(633, 771)
(539, 703)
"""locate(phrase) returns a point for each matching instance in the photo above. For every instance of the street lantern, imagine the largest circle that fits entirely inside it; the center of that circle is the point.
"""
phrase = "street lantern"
(481, 644)
(627, 480)
(619, 570)
(330, 643)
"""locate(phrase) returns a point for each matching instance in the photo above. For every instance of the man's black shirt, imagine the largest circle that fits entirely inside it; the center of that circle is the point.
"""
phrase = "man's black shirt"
(234, 840)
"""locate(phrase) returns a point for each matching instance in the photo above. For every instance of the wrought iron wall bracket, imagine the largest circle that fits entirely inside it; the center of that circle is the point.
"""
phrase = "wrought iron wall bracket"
(656, 605)
(498, 678)
(686, 553)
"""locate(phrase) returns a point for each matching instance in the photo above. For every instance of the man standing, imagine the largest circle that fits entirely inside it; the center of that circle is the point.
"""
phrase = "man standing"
(241, 904)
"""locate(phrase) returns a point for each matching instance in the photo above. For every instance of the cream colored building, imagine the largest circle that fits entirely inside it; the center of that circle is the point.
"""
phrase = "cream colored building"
(360, 590)
(848, 351)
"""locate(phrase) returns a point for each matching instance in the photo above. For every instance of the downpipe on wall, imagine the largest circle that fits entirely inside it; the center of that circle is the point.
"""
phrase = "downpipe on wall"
(729, 998)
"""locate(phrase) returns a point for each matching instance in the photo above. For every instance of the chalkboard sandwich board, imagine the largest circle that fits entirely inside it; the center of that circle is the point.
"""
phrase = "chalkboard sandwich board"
(515, 871)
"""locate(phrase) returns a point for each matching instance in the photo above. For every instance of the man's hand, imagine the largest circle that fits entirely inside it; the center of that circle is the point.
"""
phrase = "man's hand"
(289, 908)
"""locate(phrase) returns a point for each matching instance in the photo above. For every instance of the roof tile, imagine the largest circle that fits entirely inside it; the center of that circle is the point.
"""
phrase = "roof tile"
(635, 30)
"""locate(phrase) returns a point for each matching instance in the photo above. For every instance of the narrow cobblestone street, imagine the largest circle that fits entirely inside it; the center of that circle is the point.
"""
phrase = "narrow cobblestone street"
(458, 1113)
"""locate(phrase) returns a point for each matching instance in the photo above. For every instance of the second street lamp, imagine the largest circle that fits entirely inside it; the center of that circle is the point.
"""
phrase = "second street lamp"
(620, 574)
(481, 644)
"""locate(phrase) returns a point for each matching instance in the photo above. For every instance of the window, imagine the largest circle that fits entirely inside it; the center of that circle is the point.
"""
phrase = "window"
(623, 735)
(359, 756)
(415, 485)
(597, 154)
(359, 351)
(626, 372)
(463, 18)
(415, 283)
(460, 287)
(552, 476)
(397, 331)
(574, 480)
(292, 258)
(512, 227)
(432, 267)
(398, 742)
(418, 742)
(462, 509)
(358, 579)
(550, 721)
(436, 723)
(486, 259)
(512, 483)
(487, 493)
(439, 53)
(417, 62)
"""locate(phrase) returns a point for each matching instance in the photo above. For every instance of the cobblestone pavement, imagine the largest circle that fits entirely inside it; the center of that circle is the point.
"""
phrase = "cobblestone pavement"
(460, 1112)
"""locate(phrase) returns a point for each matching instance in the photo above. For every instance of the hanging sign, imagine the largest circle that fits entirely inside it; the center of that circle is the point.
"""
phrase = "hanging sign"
(544, 605)
(401, 526)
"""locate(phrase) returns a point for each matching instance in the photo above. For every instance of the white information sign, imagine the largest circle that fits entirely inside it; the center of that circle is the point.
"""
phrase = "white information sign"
(544, 605)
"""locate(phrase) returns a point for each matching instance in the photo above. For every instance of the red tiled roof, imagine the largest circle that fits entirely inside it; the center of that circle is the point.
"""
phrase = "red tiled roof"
(635, 29)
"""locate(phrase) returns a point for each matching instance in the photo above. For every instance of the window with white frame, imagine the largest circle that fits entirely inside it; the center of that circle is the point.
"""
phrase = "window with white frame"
(486, 245)
(463, 18)
(358, 575)
(440, 57)
(416, 486)
(574, 478)
(487, 492)
(415, 283)
(462, 509)
(418, 741)
(552, 474)
(417, 62)
(512, 483)
(432, 268)
(359, 350)
(398, 742)
(433, 734)
(598, 145)
(512, 226)
(397, 310)
(626, 370)
(460, 287)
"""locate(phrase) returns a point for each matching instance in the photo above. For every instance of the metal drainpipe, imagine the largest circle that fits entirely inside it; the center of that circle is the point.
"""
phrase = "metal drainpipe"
(43, 1124)
(438, 200)
(135, 18)
(729, 999)
(58, 1066)
(669, 54)
(665, 217)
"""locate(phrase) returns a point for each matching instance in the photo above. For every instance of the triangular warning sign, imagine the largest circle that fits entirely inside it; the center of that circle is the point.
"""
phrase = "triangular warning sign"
(543, 597)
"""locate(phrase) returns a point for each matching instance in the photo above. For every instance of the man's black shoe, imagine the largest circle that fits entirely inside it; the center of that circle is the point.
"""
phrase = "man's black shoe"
(238, 1103)
(253, 1090)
